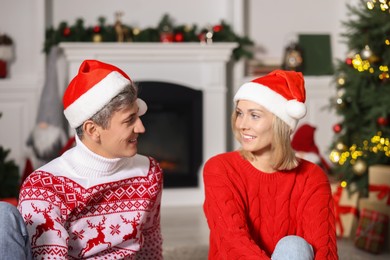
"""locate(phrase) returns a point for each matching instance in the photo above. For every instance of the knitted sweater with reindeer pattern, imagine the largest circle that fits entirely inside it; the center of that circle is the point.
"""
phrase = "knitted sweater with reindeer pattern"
(249, 211)
(82, 205)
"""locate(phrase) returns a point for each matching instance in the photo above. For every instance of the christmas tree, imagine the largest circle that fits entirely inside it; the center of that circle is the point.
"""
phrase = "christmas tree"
(363, 95)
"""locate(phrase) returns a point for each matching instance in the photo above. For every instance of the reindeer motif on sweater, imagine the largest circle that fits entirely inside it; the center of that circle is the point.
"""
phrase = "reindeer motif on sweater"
(67, 219)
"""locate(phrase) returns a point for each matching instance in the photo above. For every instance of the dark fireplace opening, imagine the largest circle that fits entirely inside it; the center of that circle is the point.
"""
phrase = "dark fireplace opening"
(174, 128)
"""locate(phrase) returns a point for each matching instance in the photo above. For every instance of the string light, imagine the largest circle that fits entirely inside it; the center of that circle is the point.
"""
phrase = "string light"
(360, 64)
(341, 80)
(377, 144)
(385, 72)
(383, 5)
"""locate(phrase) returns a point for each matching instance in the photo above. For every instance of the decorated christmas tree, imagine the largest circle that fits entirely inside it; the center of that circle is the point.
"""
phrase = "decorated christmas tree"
(363, 95)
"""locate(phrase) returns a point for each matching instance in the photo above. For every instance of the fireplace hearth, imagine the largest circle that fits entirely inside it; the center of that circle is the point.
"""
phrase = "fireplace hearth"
(174, 128)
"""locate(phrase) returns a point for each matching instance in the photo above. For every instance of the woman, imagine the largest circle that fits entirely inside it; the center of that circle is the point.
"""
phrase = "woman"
(262, 201)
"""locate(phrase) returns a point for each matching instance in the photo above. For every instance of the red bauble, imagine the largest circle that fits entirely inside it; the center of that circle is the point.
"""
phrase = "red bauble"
(179, 37)
(383, 121)
(337, 128)
(217, 28)
(348, 61)
(97, 29)
(66, 32)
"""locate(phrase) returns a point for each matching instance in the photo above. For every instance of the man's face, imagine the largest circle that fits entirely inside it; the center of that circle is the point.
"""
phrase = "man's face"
(120, 138)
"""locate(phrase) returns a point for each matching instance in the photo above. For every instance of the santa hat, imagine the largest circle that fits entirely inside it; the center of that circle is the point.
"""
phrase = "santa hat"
(281, 92)
(95, 84)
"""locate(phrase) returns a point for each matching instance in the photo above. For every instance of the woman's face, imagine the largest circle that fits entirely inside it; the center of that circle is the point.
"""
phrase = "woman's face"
(254, 127)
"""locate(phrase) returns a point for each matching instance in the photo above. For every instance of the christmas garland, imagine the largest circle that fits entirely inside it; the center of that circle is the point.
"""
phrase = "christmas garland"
(166, 31)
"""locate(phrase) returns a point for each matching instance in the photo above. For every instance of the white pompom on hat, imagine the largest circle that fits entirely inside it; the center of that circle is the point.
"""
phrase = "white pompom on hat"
(281, 92)
(95, 84)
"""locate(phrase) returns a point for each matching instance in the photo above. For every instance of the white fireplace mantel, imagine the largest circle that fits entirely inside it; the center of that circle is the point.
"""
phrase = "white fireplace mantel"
(198, 66)
(149, 51)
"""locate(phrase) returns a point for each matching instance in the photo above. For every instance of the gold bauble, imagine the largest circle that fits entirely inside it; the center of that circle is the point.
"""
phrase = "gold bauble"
(341, 147)
(136, 31)
(359, 167)
(97, 38)
(366, 53)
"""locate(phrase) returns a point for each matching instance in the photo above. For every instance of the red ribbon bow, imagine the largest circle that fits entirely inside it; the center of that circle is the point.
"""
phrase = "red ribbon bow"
(383, 191)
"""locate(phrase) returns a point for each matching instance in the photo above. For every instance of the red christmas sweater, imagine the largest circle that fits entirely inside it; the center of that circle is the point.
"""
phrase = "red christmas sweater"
(82, 205)
(249, 211)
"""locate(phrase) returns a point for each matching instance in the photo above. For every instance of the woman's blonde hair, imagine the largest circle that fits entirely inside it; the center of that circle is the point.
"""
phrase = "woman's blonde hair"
(283, 155)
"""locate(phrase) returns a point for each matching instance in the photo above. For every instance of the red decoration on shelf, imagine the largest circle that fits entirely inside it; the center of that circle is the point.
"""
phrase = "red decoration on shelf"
(202, 37)
(217, 28)
(337, 128)
(3, 69)
(97, 29)
(166, 37)
(179, 37)
(383, 121)
(66, 32)
(348, 61)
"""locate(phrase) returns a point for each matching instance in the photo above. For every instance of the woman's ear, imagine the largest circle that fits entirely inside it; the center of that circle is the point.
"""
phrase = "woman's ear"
(91, 130)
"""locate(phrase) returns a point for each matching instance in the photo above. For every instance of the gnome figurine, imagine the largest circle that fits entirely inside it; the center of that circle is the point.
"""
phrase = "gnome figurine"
(48, 137)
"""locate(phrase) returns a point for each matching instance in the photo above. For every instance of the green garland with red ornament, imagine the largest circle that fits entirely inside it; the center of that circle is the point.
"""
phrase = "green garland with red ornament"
(166, 31)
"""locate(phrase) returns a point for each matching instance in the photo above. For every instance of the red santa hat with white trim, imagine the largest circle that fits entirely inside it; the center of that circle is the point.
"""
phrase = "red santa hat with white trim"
(95, 84)
(281, 92)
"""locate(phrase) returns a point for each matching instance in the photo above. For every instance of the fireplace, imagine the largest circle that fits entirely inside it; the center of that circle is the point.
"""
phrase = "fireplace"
(202, 68)
(174, 126)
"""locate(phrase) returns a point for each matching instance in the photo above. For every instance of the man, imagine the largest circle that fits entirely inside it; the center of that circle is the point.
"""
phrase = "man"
(100, 199)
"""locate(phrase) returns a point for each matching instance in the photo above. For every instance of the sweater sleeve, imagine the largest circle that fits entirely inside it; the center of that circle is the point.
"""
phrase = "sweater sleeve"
(318, 220)
(226, 217)
(48, 236)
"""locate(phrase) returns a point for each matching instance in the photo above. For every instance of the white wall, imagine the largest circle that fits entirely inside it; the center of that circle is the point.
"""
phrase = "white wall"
(271, 24)
(141, 13)
(22, 20)
(274, 24)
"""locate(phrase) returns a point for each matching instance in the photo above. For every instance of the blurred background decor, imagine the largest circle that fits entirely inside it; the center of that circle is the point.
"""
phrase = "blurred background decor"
(9, 177)
(6, 54)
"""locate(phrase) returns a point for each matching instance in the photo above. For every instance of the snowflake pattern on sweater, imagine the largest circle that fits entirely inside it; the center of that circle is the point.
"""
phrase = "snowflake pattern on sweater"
(249, 211)
(113, 216)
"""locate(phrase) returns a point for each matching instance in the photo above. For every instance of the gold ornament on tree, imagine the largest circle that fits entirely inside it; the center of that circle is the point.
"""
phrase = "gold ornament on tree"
(359, 167)
(341, 147)
(367, 54)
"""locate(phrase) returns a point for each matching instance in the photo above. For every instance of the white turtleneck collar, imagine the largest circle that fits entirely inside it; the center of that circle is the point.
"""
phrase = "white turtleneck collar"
(81, 163)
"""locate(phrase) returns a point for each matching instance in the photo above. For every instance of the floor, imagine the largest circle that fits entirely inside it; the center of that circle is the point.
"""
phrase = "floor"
(185, 235)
